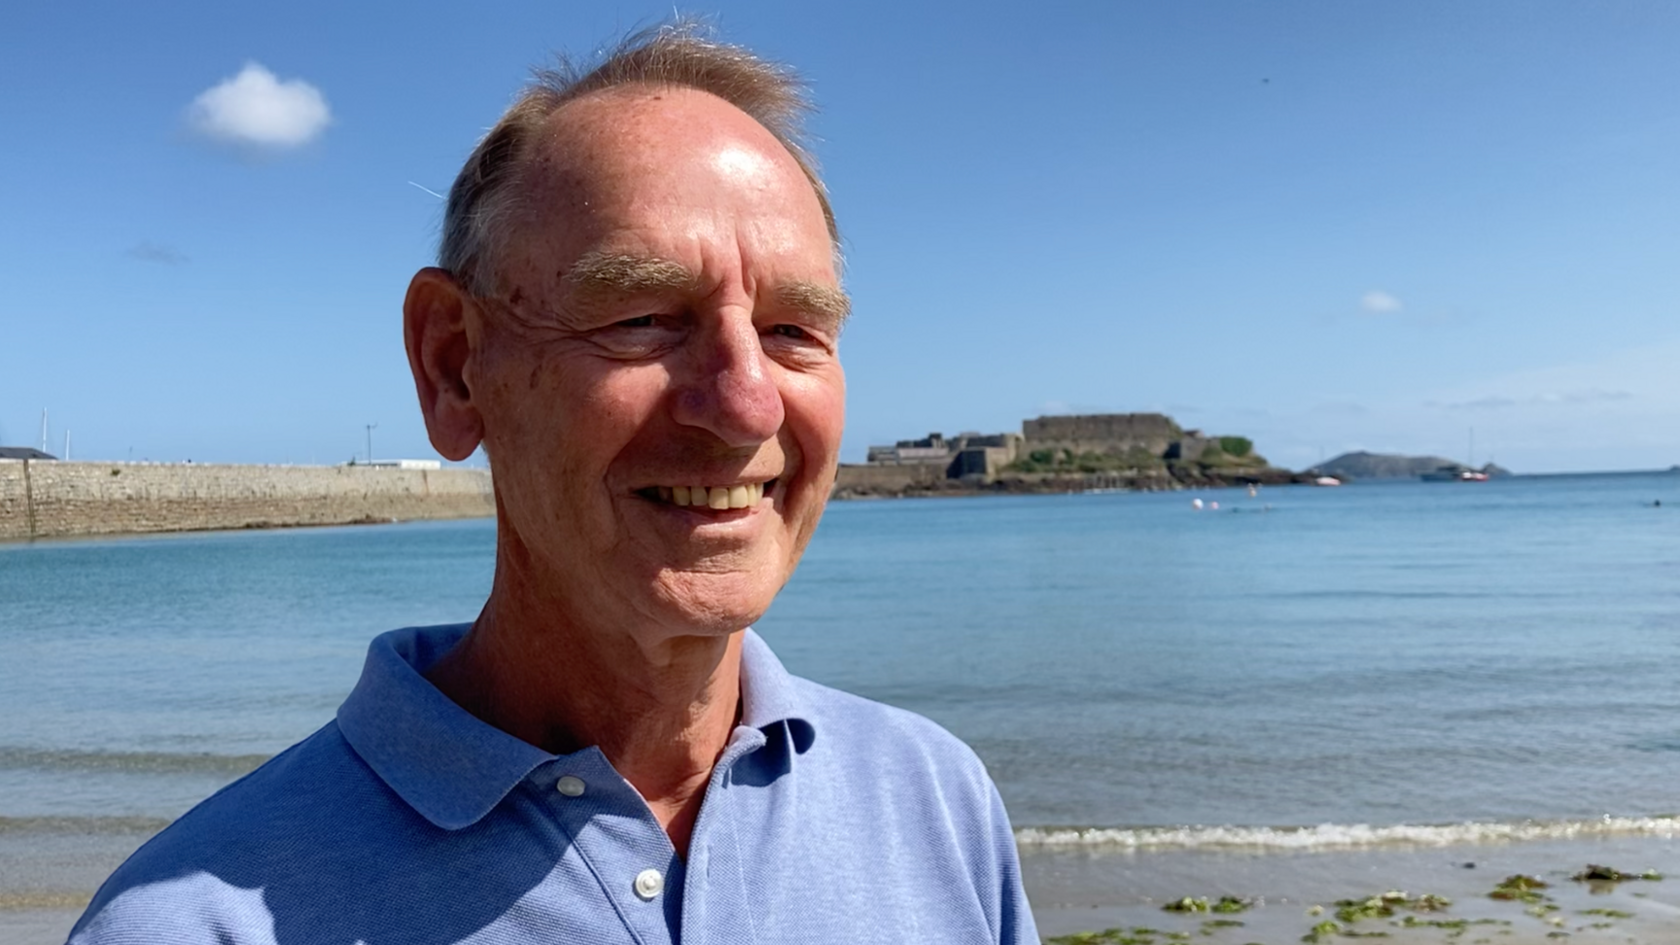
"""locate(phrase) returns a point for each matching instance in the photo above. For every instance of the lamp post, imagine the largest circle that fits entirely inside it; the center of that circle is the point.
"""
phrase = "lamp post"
(370, 429)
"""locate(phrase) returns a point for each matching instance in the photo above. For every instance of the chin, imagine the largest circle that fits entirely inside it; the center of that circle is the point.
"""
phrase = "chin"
(714, 604)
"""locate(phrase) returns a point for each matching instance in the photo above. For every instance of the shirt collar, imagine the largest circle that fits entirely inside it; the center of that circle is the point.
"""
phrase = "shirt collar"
(768, 695)
(453, 768)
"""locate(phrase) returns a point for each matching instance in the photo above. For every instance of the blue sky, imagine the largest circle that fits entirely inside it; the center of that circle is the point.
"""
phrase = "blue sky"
(1325, 225)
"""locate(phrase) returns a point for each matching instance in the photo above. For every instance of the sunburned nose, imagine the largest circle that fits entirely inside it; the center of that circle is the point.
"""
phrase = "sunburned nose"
(730, 388)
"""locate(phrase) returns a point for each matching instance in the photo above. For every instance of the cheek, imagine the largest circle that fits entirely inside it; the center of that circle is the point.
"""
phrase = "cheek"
(816, 412)
(816, 409)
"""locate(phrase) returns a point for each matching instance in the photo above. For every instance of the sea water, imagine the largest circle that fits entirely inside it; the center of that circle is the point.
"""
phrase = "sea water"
(1300, 667)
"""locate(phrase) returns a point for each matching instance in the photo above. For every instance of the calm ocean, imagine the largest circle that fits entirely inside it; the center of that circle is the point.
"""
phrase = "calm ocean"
(1309, 666)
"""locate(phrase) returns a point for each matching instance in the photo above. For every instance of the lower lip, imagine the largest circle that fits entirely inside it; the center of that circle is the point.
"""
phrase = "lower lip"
(705, 514)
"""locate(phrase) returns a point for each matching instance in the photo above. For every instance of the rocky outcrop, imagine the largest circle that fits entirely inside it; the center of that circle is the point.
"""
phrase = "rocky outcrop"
(1133, 451)
(1363, 465)
(866, 482)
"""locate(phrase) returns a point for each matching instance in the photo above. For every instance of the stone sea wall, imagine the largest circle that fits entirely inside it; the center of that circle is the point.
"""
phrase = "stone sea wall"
(53, 499)
(856, 480)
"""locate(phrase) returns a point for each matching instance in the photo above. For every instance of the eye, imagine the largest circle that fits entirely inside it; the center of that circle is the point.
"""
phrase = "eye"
(790, 331)
(640, 321)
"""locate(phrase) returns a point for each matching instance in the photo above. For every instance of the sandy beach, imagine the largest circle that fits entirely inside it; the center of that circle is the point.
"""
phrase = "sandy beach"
(1291, 892)
(1094, 891)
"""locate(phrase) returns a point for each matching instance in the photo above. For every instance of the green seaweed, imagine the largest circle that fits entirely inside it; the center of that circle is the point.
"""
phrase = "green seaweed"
(1384, 905)
(1594, 873)
(1140, 935)
(1413, 922)
(1322, 931)
(1329, 928)
(1520, 888)
(1221, 924)
(1608, 913)
(1105, 937)
(1226, 905)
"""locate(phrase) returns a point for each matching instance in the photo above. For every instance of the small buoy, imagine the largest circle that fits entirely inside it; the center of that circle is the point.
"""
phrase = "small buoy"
(1196, 504)
(1214, 506)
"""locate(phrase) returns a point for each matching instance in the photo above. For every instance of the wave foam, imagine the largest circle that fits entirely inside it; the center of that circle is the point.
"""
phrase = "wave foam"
(1342, 836)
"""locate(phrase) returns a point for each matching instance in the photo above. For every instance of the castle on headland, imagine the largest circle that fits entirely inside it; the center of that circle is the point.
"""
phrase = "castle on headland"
(1060, 454)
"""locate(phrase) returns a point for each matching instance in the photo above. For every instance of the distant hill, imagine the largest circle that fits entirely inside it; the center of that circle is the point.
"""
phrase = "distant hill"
(1363, 465)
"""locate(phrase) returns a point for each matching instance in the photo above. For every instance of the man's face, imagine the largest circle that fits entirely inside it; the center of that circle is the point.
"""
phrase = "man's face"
(668, 323)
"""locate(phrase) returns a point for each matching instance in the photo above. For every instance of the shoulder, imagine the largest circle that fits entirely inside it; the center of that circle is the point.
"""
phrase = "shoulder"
(869, 736)
(187, 910)
(207, 871)
(909, 800)
(302, 791)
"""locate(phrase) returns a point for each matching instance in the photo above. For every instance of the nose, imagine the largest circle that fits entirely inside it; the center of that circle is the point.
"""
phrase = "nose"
(729, 387)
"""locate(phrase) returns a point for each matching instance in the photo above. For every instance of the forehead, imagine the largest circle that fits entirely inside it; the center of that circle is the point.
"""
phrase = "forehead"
(662, 164)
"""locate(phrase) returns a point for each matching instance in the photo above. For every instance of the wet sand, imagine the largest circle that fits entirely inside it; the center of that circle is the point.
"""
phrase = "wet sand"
(47, 878)
(1089, 891)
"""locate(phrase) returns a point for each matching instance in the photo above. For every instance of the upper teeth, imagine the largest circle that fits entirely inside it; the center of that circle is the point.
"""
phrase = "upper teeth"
(741, 496)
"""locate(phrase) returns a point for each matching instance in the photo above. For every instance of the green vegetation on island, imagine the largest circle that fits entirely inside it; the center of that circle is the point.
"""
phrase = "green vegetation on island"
(1137, 451)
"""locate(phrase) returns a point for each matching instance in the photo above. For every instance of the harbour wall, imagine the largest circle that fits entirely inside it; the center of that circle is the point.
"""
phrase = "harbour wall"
(856, 480)
(56, 499)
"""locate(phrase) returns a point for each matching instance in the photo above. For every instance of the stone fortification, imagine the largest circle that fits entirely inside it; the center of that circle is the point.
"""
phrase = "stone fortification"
(854, 480)
(47, 499)
(1105, 433)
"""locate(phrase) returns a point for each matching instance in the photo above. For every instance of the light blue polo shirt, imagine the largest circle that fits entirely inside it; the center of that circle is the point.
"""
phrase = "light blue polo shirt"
(406, 821)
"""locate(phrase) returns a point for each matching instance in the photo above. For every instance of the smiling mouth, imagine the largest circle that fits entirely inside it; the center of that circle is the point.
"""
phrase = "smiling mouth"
(741, 495)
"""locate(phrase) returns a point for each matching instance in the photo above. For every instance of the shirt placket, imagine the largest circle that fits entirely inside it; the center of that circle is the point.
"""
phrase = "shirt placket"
(716, 907)
(619, 842)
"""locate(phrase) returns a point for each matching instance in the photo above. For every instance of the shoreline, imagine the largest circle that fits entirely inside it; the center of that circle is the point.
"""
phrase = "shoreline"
(1089, 891)
(1076, 890)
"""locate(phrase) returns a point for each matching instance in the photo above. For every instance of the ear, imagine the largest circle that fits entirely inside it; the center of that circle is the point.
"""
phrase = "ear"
(439, 349)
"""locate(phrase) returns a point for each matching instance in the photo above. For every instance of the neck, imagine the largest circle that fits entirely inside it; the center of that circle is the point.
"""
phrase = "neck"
(660, 709)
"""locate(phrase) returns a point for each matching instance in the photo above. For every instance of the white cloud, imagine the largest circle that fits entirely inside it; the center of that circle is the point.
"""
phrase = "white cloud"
(256, 109)
(1378, 302)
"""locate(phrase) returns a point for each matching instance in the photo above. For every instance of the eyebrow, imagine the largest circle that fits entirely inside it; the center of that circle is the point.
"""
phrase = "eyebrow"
(597, 273)
(607, 273)
(824, 301)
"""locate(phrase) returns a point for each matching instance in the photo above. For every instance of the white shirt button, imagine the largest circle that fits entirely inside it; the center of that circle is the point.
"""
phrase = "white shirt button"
(569, 786)
(649, 883)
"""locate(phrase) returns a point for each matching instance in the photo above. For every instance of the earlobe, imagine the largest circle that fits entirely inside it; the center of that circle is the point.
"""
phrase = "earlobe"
(439, 346)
